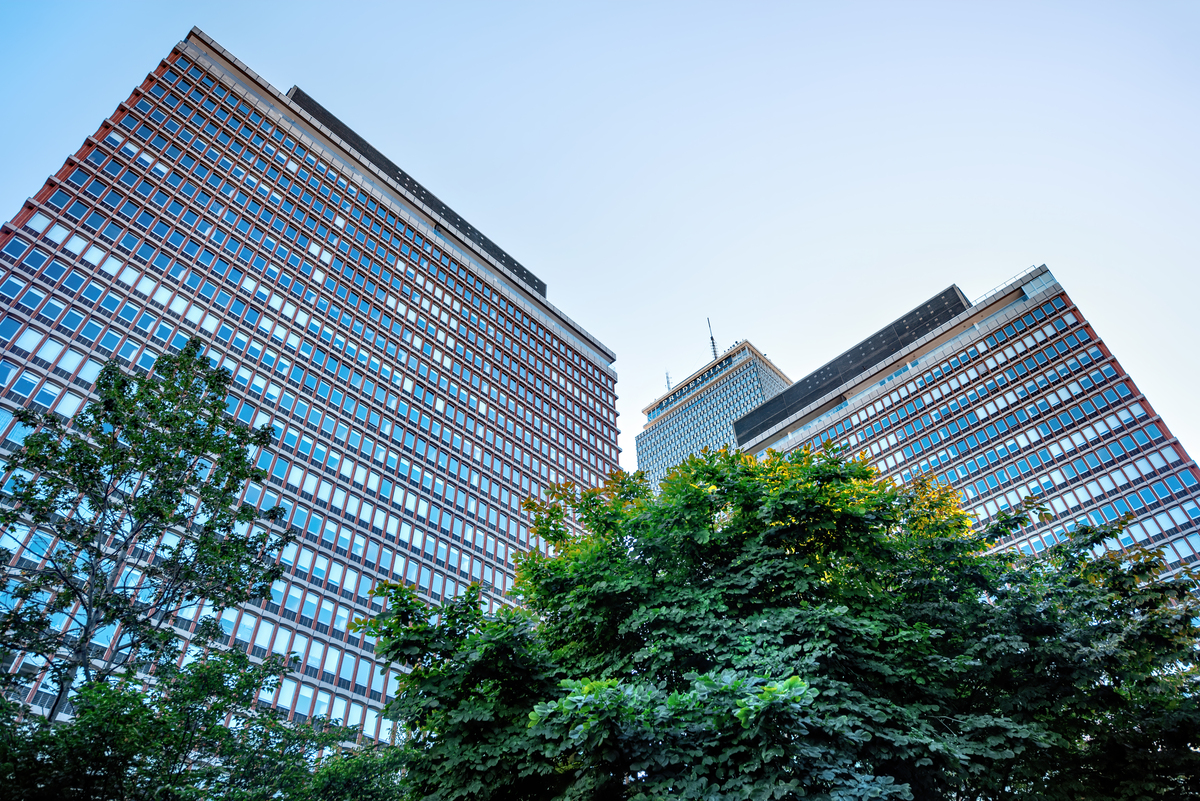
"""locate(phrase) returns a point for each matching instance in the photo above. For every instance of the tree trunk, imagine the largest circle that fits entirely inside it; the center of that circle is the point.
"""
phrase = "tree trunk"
(64, 691)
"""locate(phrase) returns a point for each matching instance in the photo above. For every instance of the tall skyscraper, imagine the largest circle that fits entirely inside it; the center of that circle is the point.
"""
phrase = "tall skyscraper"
(1013, 396)
(699, 412)
(419, 382)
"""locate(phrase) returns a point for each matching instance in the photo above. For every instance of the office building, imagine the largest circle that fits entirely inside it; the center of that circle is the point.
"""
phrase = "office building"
(699, 412)
(1014, 395)
(420, 383)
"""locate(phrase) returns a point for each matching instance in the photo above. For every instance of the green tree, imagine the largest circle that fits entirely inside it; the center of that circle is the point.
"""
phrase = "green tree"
(798, 627)
(362, 774)
(196, 732)
(133, 511)
(466, 704)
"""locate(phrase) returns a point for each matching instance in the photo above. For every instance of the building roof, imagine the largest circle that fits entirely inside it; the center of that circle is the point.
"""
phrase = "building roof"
(698, 380)
(522, 287)
(464, 228)
(887, 341)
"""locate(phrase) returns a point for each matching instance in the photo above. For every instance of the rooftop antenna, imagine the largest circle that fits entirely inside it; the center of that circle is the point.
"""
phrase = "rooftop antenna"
(668, 381)
(711, 339)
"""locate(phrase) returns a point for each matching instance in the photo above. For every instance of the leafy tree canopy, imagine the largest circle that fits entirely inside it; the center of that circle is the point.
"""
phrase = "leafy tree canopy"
(125, 515)
(114, 523)
(195, 732)
(799, 627)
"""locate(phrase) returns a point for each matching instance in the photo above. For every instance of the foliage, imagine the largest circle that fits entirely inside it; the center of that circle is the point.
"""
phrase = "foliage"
(195, 733)
(134, 507)
(798, 627)
(365, 774)
(467, 705)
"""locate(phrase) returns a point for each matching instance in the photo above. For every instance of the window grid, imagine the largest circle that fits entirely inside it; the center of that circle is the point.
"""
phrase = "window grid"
(415, 404)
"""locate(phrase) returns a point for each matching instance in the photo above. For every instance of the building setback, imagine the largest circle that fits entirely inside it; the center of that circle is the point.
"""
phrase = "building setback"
(699, 412)
(419, 382)
(1012, 396)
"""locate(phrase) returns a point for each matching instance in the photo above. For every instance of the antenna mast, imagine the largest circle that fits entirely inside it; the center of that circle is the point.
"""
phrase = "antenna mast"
(668, 381)
(712, 341)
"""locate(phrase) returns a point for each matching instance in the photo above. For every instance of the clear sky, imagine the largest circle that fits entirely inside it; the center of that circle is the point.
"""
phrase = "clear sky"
(802, 173)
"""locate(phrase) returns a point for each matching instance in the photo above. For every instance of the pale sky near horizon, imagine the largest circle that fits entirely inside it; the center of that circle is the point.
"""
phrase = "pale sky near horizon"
(802, 173)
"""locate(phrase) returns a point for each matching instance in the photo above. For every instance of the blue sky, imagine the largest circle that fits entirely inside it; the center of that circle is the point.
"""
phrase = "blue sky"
(802, 173)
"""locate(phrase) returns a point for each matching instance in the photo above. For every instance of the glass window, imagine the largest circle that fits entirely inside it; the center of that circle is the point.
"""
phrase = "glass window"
(304, 700)
(50, 350)
(29, 340)
(25, 384)
(91, 369)
(11, 287)
(69, 404)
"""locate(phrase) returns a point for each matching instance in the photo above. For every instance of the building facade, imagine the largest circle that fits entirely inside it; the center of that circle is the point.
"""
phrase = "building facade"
(419, 382)
(1015, 395)
(699, 412)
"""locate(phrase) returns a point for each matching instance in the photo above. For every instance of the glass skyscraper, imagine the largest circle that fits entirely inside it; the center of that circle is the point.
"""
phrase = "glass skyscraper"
(1012, 396)
(419, 382)
(699, 412)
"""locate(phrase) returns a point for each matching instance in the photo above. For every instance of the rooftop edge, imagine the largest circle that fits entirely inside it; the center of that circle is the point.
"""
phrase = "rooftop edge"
(887, 341)
(369, 152)
(197, 37)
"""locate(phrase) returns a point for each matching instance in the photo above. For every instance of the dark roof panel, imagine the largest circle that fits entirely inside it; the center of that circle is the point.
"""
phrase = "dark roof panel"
(461, 226)
(891, 339)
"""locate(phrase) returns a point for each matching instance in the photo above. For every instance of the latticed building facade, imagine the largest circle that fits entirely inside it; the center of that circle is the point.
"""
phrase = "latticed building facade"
(419, 382)
(699, 412)
(1012, 396)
